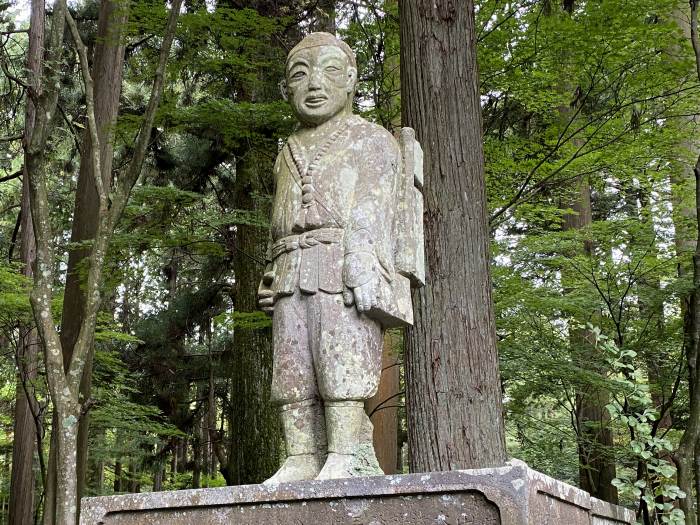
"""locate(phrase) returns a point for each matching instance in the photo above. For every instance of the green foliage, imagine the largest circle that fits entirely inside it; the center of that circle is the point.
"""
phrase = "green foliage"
(374, 36)
(634, 408)
(122, 425)
(14, 297)
(553, 110)
(593, 98)
(244, 320)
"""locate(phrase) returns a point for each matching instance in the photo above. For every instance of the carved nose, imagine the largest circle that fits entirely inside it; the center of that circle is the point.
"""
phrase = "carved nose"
(315, 80)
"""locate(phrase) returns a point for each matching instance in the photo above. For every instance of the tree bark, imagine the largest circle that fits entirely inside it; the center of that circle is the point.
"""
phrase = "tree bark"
(25, 430)
(64, 384)
(107, 74)
(198, 441)
(117, 476)
(453, 393)
(687, 457)
(256, 439)
(24, 442)
(324, 16)
(596, 464)
(382, 408)
(158, 476)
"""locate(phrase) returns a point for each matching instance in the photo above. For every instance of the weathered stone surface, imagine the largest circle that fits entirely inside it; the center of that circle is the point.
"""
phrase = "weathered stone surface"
(512, 495)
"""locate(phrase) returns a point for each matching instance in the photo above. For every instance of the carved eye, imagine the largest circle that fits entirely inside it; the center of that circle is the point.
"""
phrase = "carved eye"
(298, 75)
(332, 69)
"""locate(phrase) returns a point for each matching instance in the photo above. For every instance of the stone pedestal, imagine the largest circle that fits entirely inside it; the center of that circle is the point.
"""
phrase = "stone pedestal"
(511, 495)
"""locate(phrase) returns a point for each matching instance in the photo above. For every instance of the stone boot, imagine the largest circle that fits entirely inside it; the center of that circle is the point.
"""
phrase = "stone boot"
(305, 437)
(344, 422)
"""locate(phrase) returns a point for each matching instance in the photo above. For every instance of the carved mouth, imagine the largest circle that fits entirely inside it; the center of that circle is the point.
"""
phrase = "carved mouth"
(315, 101)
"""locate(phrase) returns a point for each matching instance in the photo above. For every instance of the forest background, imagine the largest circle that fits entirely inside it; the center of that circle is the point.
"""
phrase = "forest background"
(590, 113)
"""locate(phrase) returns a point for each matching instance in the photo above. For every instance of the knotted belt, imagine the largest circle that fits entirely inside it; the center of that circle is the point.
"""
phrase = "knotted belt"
(311, 261)
(307, 240)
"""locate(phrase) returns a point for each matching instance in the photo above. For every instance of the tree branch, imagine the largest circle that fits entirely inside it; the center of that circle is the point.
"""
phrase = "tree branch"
(107, 220)
(15, 175)
(133, 171)
(90, 103)
(42, 293)
(71, 127)
(103, 232)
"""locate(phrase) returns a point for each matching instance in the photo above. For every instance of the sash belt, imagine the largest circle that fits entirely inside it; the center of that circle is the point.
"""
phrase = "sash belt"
(307, 240)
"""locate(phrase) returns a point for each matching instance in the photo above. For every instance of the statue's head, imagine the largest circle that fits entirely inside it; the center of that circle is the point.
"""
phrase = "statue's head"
(321, 75)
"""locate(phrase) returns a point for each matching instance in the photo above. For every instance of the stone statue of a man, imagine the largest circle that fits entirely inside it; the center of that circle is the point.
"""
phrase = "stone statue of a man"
(332, 282)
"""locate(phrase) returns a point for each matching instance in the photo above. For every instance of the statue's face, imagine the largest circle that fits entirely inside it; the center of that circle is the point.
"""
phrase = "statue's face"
(319, 82)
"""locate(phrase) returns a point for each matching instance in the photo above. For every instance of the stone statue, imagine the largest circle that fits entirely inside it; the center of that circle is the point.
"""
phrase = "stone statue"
(346, 246)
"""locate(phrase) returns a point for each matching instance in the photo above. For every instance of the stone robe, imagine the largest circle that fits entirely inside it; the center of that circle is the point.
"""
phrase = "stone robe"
(332, 202)
(355, 173)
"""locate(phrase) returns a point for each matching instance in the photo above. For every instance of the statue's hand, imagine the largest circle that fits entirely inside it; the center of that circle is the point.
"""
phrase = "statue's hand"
(266, 296)
(361, 281)
(366, 296)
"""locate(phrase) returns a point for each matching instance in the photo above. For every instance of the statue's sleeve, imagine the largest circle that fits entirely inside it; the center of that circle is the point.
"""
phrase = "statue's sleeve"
(275, 175)
(368, 235)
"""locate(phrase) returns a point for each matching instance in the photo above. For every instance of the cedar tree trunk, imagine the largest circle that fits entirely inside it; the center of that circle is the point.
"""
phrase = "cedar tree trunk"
(453, 391)
(107, 74)
(25, 431)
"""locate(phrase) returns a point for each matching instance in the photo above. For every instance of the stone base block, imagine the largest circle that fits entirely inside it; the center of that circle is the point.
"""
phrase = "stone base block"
(511, 495)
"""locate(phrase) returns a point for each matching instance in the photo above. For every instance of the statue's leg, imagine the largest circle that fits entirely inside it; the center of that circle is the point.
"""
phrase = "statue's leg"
(294, 389)
(347, 349)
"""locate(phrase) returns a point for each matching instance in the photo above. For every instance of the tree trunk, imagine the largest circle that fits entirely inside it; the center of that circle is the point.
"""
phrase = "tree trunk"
(596, 464)
(383, 407)
(117, 476)
(687, 457)
(158, 476)
(107, 74)
(323, 16)
(256, 439)
(215, 437)
(133, 475)
(453, 392)
(24, 442)
(197, 441)
(64, 381)
(204, 430)
(68, 412)
(26, 434)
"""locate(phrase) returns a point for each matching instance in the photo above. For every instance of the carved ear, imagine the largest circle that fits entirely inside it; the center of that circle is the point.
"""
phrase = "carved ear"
(352, 79)
(283, 89)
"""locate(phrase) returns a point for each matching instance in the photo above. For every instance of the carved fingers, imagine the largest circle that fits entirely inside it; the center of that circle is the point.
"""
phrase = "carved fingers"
(266, 296)
(348, 297)
(366, 296)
